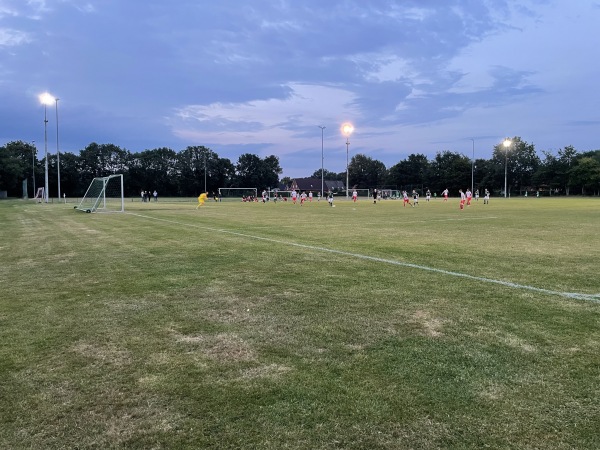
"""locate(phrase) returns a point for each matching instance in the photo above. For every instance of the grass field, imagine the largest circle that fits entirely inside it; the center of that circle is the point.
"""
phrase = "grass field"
(270, 326)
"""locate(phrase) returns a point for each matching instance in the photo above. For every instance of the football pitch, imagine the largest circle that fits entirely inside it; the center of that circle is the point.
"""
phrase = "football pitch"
(270, 326)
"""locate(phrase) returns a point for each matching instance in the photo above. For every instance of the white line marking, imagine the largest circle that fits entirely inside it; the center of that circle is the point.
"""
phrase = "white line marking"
(572, 295)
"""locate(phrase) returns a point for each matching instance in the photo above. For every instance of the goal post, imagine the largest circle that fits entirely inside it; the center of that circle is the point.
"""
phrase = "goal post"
(236, 193)
(104, 194)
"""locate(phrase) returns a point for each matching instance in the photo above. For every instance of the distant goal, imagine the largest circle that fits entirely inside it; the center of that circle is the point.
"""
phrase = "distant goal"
(105, 194)
(236, 193)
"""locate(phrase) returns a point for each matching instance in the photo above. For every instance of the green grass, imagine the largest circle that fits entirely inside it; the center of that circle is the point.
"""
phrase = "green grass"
(277, 326)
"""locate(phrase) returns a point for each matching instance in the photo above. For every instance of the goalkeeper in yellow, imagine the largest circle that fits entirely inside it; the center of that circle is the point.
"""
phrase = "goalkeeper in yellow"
(201, 199)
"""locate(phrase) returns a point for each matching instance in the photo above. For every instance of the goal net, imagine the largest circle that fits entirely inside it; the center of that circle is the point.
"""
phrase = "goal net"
(105, 194)
(237, 193)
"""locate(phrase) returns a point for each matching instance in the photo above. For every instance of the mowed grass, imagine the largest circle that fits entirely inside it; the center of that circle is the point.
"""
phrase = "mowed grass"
(270, 326)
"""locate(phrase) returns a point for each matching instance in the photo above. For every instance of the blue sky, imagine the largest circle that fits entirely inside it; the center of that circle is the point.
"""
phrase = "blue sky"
(260, 76)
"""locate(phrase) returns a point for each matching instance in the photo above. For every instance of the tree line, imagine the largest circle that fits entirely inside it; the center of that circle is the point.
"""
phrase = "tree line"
(197, 168)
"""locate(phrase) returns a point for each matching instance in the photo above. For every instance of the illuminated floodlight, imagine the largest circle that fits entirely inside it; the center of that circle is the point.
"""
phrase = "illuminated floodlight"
(347, 129)
(46, 99)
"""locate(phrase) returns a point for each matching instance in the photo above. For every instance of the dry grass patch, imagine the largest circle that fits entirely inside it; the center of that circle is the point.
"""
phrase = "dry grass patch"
(508, 339)
(430, 326)
(103, 354)
(271, 371)
(222, 347)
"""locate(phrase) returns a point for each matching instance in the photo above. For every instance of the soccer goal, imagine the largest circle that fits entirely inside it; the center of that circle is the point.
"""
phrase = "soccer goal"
(105, 194)
(362, 193)
(40, 195)
(236, 193)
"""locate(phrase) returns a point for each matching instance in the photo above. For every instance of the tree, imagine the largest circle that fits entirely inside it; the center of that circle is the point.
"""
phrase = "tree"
(221, 173)
(365, 172)
(327, 175)
(100, 160)
(15, 166)
(251, 171)
(189, 170)
(450, 170)
(413, 171)
(270, 172)
(525, 164)
(586, 173)
(566, 158)
(153, 170)
(70, 180)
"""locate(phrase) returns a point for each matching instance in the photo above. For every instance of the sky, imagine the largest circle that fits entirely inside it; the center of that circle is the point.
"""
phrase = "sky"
(262, 76)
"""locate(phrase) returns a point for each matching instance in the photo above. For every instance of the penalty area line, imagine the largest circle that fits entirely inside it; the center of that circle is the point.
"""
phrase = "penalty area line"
(571, 295)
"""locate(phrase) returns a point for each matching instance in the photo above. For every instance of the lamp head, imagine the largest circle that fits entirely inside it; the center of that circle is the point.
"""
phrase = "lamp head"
(507, 142)
(347, 129)
(46, 99)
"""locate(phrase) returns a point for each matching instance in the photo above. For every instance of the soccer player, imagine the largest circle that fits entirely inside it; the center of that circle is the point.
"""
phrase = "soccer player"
(428, 195)
(445, 194)
(201, 199)
(330, 198)
(294, 196)
(406, 199)
(469, 196)
(354, 195)
(310, 196)
(462, 199)
(302, 198)
(415, 198)
(486, 197)
(476, 195)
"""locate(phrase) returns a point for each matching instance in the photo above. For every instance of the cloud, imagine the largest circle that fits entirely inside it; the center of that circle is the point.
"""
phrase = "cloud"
(261, 121)
(12, 38)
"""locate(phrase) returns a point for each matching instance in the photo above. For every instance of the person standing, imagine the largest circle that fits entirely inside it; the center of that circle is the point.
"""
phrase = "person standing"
(427, 195)
(486, 197)
(469, 196)
(476, 195)
(445, 194)
(462, 199)
(354, 195)
(374, 195)
(415, 198)
(155, 195)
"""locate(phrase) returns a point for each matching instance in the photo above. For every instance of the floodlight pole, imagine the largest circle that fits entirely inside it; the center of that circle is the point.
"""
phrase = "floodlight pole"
(347, 175)
(205, 173)
(322, 167)
(45, 153)
(473, 166)
(57, 149)
(33, 165)
(507, 143)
